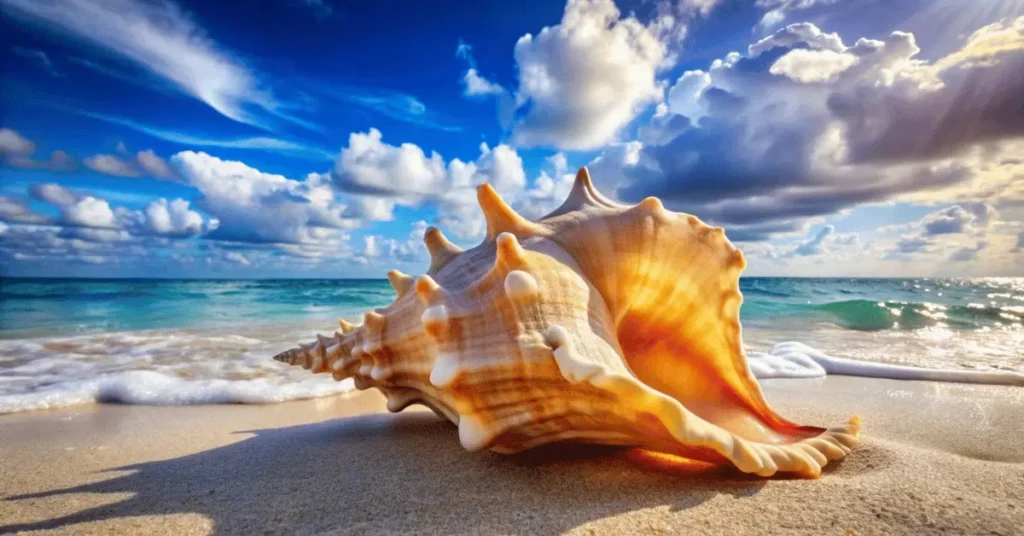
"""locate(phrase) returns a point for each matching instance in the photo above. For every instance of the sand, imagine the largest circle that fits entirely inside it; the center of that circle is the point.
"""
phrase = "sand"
(936, 459)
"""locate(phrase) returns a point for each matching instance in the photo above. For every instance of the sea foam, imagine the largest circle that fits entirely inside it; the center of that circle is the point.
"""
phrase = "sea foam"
(153, 368)
(187, 367)
(797, 360)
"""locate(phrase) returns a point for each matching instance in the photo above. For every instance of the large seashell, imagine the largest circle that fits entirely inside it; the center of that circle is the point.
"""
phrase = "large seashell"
(599, 323)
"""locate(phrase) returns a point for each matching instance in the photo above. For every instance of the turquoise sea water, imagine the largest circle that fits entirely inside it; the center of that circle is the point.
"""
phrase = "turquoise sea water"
(74, 341)
(55, 307)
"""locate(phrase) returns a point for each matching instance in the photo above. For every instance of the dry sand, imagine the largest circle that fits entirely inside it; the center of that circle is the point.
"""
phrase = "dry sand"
(936, 459)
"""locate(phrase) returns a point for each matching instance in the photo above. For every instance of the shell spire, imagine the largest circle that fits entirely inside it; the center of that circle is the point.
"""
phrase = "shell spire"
(346, 326)
(501, 218)
(583, 194)
(442, 251)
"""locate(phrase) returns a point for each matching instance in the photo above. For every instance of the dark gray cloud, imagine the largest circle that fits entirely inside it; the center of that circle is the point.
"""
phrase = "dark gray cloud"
(771, 143)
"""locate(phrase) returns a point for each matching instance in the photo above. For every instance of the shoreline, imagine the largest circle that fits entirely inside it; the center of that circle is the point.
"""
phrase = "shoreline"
(936, 457)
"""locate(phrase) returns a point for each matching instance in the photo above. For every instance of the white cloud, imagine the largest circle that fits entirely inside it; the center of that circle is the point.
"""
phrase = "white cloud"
(159, 37)
(811, 66)
(89, 212)
(684, 95)
(584, 79)
(173, 218)
(368, 165)
(371, 250)
(237, 258)
(253, 206)
(373, 208)
(477, 85)
(803, 33)
(777, 11)
(387, 175)
(109, 164)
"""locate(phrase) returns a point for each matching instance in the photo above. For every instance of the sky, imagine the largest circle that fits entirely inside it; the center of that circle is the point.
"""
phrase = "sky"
(321, 138)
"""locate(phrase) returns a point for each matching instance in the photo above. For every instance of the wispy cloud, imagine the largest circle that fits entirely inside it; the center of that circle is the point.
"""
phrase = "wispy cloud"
(292, 148)
(162, 39)
(39, 57)
(322, 9)
(145, 82)
(393, 104)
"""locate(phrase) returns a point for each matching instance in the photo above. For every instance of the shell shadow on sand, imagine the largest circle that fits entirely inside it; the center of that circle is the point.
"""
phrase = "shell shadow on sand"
(401, 473)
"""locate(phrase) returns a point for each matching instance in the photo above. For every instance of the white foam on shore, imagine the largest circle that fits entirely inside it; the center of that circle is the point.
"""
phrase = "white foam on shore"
(204, 367)
(152, 368)
(797, 360)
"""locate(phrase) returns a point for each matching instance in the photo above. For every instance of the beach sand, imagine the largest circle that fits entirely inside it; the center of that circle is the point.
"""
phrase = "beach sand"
(936, 459)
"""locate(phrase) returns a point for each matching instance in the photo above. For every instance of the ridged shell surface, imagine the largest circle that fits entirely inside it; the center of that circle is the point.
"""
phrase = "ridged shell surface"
(599, 323)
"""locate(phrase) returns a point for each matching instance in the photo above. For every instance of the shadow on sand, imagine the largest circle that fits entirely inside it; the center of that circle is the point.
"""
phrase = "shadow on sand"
(398, 473)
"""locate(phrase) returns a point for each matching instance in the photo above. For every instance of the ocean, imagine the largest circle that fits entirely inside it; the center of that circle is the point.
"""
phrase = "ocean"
(73, 341)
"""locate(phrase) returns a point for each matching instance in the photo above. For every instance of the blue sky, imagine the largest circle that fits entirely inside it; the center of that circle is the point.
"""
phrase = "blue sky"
(319, 138)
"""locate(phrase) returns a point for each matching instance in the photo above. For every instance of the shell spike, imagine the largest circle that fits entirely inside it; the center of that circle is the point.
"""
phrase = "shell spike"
(402, 283)
(346, 326)
(427, 289)
(510, 253)
(583, 194)
(373, 321)
(500, 217)
(442, 251)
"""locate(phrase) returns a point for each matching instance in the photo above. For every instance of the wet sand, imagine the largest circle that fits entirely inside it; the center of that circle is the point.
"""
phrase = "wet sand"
(936, 458)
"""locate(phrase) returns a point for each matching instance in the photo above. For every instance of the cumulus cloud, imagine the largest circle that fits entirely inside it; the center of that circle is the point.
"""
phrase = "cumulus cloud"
(388, 175)
(948, 229)
(173, 218)
(253, 206)
(370, 166)
(809, 66)
(89, 212)
(90, 230)
(803, 126)
(584, 79)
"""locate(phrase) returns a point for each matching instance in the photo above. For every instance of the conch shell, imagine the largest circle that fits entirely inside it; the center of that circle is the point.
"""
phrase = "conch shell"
(599, 323)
